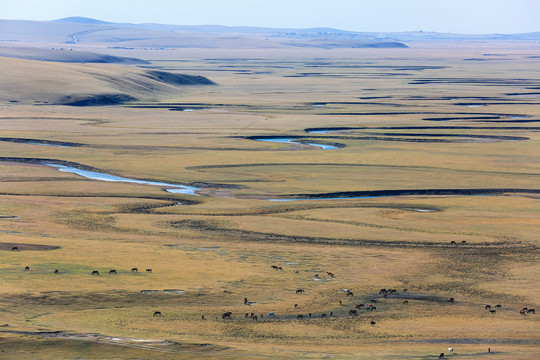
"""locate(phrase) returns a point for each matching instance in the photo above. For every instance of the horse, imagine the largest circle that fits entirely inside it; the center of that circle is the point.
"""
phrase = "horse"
(353, 312)
(56, 271)
(373, 323)
(382, 291)
(441, 356)
(112, 271)
(498, 306)
(450, 349)
(330, 274)
(522, 312)
(451, 300)
(134, 270)
(95, 272)
(157, 313)
(300, 291)
(406, 302)
(15, 248)
(300, 316)
(531, 311)
(254, 317)
(350, 293)
(463, 242)
(202, 317)
(323, 316)
(245, 301)
(358, 306)
(404, 290)
(488, 306)
(493, 311)
(296, 271)
(148, 270)
(226, 315)
(452, 242)
(279, 268)
(27, 268)
(274, 267)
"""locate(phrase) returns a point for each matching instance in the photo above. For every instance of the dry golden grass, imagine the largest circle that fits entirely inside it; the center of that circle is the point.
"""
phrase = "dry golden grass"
(220, 249)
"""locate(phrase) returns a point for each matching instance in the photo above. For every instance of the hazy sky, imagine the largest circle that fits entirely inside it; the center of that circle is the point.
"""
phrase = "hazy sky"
(458, 16)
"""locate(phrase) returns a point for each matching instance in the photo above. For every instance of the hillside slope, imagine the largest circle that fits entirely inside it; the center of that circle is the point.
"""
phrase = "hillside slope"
(35, 82)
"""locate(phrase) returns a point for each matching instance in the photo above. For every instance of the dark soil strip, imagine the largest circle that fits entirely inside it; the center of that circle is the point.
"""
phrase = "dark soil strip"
(421, 192)
(213, 228)
(39, 141)
(480, 341)
(457, 127)
(27, 247)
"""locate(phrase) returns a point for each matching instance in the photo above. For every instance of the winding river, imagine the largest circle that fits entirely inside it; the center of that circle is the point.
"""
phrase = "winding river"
(172, 188)
(293, 140)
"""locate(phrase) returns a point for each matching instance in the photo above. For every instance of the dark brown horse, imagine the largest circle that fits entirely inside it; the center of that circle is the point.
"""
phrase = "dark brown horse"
(157, 313)
(226, 315)
(95, 272)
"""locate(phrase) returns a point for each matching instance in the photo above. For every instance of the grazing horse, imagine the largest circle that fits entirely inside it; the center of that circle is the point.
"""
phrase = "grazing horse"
(300, 316)
(531, 311)
(350, 293)
(451, 300)
(358, 306)
(157, 313)
(382, 291)
(323, 316)
(463, 242)
(148, 270)
(452, 242)
(404, 290)
(488, 306)
(441, 356)
(56, 271)
(134, 270)
(300, 291)
(202, 317)
(15, 248)
(27, 268)
(493, 311)
(274, 267)
(279, 268)
(254, 317)
(226, 315)
(295, 306)
(522, 312)
(95, 272)
(245, 301)
(406, 302)
(498, 306)
(373, 323)
(112, 271)
(353, 312)
(330, 274)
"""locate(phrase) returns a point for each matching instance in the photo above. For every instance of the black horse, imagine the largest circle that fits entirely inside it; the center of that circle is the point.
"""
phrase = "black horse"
(157, 313)
(112, 272)
(226, 315)
(95, 272)
(15, 248)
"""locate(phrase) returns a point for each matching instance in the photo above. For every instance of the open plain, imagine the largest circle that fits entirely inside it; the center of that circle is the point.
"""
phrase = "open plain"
(431, 192)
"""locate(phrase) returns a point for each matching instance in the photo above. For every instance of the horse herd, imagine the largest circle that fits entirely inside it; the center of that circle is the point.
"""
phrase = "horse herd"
(96, 272)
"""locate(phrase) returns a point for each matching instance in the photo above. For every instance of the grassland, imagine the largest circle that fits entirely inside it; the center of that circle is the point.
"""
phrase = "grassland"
(407, 119)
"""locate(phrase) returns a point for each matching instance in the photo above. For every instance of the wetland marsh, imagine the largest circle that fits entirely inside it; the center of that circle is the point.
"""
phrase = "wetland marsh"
(388, 145)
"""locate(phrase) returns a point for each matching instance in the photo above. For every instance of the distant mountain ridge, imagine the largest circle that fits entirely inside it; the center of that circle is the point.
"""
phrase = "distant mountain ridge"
(83, 30)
